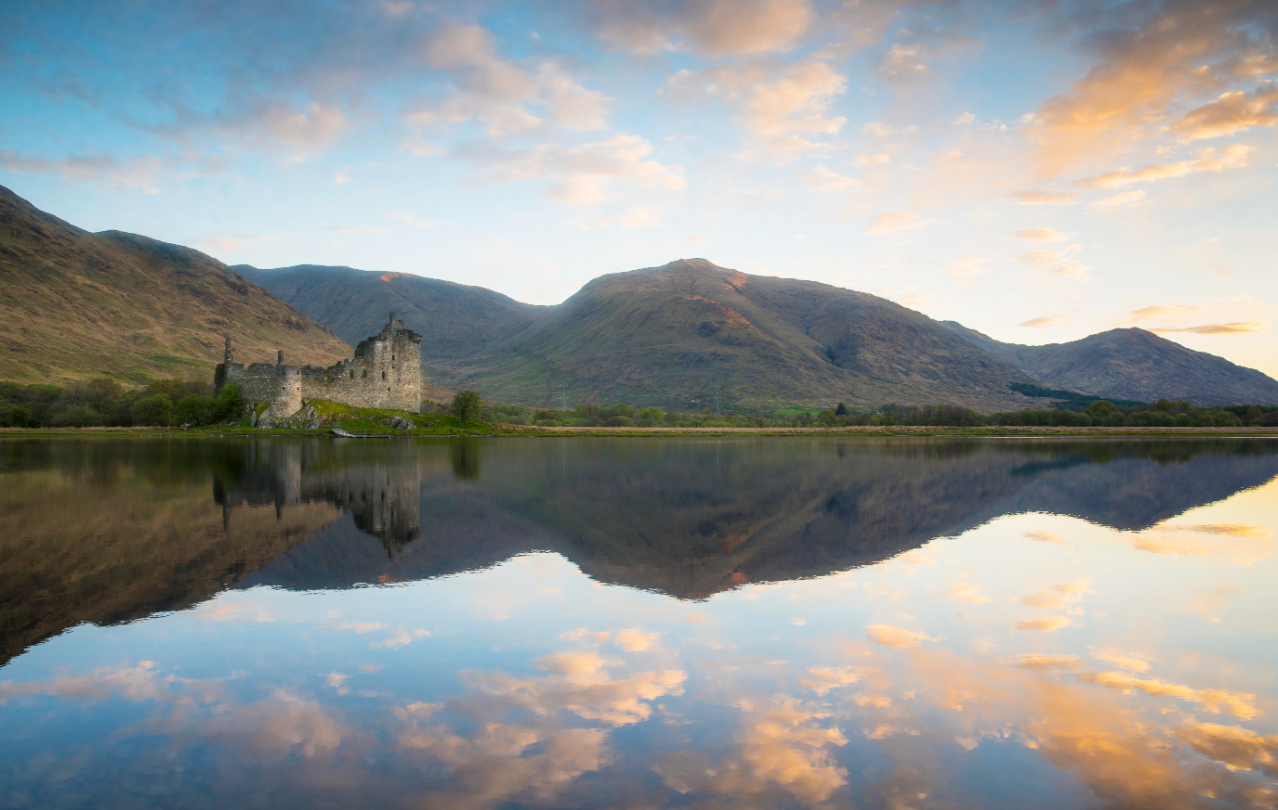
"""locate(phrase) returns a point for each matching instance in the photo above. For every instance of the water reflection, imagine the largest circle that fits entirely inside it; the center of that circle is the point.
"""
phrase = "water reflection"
(810, 623)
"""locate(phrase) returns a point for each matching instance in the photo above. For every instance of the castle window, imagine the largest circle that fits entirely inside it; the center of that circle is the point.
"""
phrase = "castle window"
(365, 375)
(352, 374)
(392, 358)
(383, 375)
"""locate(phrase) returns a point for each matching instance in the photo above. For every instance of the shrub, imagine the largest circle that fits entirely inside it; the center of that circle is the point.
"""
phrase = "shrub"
(15, 416)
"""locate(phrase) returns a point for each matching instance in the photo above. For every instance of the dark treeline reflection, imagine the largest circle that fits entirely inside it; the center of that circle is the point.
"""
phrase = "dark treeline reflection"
(109, 531)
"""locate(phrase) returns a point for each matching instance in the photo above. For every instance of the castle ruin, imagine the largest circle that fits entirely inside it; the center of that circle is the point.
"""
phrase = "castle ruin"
(384, 373)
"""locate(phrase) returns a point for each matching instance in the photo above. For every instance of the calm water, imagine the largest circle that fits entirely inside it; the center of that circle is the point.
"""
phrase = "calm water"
(613, 623)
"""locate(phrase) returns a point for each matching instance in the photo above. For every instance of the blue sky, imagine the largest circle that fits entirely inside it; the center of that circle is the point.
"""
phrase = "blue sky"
(1039, 171)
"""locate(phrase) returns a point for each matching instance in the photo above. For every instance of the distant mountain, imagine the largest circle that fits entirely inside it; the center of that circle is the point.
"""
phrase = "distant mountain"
(454, 320)
(75, 304)
(692, 335)
(1134, 364)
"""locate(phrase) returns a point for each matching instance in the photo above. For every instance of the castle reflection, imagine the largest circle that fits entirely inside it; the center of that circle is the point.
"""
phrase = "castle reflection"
(381, 494)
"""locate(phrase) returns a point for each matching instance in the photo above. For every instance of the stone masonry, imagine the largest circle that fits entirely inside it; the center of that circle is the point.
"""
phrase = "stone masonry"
(384, 373)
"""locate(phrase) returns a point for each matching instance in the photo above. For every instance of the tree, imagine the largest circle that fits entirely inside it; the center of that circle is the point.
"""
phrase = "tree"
(466, 405)
(826, 417)
(228, 402)
(156, 410)
(1100, 409)
(842, 410)
(192, 409)
(15, 416)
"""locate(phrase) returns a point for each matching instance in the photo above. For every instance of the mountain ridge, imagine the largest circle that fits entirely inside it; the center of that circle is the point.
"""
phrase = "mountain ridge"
(75, 304)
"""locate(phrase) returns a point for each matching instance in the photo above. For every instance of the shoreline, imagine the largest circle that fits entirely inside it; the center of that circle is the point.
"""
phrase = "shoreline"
(533, 431)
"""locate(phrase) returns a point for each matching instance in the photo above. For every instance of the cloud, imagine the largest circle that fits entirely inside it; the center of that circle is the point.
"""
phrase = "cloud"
(579, 683)
(340, 178)
(399, 638)
(784, 106)
(1231, 112)
(498, 93)
(1040, 196)
(1118, 201)
(359, 627)
(1238, 748)
(709, 27)
(1041, 235)
(825, 679)
(1047, 663)
(1238, 704)
(965, 592)
(578, 175)
(872, 160)
(1241, 543)
(137, 172)
(882, 130)
(1059, 261)
(1063, 594)
(779, 748)
(1236, 328)
(1233, 157)
(1046, 320)
(1121, 660)
(238, 611)
(823, 180)
(635, 640)
(135, 684)
(1157, 312)
(896, 637)
(235, 243)
(895, 221)
(1147, 64)
(1049, 625)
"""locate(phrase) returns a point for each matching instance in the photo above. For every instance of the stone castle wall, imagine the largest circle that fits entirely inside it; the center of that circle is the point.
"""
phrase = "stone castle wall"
(384, 373)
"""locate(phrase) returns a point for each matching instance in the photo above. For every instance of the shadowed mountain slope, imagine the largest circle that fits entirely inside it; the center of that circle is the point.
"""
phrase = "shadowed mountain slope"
(691, 334)
(1134, 364)
(75, 304)
(454, 320)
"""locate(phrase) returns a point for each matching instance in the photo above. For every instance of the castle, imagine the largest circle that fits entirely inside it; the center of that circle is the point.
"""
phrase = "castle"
(384, 373)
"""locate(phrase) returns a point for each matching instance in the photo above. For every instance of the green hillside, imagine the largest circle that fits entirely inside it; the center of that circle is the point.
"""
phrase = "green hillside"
(74, 304)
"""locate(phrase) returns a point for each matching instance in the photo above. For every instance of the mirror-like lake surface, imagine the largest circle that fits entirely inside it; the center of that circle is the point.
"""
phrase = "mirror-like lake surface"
(621, 623)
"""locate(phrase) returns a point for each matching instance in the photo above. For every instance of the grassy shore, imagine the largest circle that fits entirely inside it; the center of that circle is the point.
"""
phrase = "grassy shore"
(528, 431)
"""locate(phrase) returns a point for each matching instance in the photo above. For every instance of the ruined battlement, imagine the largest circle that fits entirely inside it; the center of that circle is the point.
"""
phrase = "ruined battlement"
(384, 373)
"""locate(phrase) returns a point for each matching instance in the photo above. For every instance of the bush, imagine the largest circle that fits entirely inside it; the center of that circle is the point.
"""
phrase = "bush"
(155, 410)
(76, 416)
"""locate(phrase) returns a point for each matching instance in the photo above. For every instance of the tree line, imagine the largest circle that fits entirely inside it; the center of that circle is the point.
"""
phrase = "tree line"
(104, 402)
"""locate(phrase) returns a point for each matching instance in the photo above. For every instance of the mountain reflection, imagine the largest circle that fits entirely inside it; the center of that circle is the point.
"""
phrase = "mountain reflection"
(111, 531)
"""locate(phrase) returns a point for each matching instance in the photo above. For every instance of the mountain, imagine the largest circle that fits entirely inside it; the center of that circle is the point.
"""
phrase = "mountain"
(1134, 364)
(454, 320)
(74, 304)
(690, 334)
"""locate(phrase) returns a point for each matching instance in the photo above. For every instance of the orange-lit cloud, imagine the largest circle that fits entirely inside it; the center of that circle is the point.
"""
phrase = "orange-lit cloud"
(785, 107)
(1046, 320)
(1232, 112)
(1041, 235)
(896, 637)
(1041, 196)
(1238, 748)
(1233, 157)
(824, 679)
(1236, 328)
(895, 221)
(1047, 625)
(1062, 594)
(1214, 700)
(1047, 663)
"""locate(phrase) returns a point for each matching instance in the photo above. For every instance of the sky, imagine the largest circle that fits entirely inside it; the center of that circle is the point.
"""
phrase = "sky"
(1038, 170)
